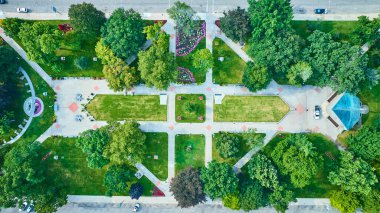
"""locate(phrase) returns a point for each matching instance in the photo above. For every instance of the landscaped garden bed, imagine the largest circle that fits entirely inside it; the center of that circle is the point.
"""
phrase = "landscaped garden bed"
(190, 108)
(156, 159)
(228, 66)
(189, 151)
(120, 107)
(250, 109)
(72, 167)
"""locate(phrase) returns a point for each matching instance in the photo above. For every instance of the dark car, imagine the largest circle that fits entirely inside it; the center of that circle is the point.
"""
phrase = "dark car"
(2, 2)
(320, 11)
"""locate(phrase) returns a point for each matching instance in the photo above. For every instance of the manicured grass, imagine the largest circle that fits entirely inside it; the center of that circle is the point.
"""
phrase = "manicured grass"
(231, 69)
(182, 100)
(195, 157)
(340, 30)
(371, 98)
(120, 107)
(320, 186)
(72, 169)
(157, 144)
(244, 149)
(250, 109)
(186, 62)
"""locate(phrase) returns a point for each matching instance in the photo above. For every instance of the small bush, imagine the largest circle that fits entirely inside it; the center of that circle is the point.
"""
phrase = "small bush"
(81, 63)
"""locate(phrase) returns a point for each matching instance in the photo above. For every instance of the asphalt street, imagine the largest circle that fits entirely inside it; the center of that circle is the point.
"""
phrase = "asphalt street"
(202, 6)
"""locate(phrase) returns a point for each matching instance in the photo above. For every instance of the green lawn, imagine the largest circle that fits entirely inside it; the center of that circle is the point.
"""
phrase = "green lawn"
(181, 108)
(186, 62)
(244, 149)
(250, 109)
(320, 186)
(72, 169)
(195, 157)
(120, 107)
(157, 144)
(231, 69)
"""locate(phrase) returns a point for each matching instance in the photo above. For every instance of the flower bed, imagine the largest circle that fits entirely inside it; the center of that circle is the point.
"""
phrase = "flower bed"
(185, 75)
(186, 44)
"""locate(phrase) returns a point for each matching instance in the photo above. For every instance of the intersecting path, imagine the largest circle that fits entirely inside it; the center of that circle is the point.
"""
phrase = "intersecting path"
(299, 99)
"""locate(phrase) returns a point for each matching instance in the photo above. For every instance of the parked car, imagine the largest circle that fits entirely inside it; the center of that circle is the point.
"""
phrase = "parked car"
(30, 208)
(317, 112)
(320, 11)
(2, 2)
(22, 10)
(23, 207)
(136, 207)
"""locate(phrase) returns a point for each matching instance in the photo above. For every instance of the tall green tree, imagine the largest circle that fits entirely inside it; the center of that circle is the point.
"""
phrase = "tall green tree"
(127, 144)
(184, 17)
(365, 143)
(153, 32)
(236, 24)
(256, 77)
(219, 180)
(202, 60)
(157, 65)
(262, 169)
(281, 197)
(232, 202)
(116, 177)
(123, 32)
(136, 190)
(187, 188)
(228, 145)
(86, 19)
(344, 201)
(366, 30)
(252, 196)
(12, 26)
(120, 76)
(371, 202)
(93, 143)
(353, 175)
(299, 73)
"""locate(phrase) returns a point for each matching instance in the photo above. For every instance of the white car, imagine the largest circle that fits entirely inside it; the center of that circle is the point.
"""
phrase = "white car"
(317, 112)
(136, 207)
(22, 10)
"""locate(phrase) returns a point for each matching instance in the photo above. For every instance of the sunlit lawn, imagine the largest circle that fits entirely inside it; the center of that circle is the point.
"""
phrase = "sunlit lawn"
(189, 151)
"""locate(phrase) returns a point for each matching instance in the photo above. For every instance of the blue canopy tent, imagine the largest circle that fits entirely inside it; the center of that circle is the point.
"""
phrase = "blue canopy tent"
(348, 109)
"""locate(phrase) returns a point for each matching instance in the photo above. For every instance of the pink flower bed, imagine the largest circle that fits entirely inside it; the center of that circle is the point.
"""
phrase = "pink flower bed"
(186, 44)
(185, 75)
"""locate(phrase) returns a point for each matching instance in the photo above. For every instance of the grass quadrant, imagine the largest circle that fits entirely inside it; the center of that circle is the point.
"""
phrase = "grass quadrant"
(187, 117)
(250, 109)
(195, 157)
(157, 144)
(231, 69)
(120, 107)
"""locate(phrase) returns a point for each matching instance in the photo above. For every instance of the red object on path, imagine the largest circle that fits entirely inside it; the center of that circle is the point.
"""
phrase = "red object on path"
(157, 192)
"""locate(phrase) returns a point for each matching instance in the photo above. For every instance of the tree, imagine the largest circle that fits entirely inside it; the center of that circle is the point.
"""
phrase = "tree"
(281, 197)
(219, 180)
(236, 24)
(153, 32)
(262, 169)
(136, 191)
(120, 76)
(8, 65)
(253, 139)
(202, 60)
(53, 197)
(184, 17)
(187, 188)
(93, 143)
(252, 196)
(299, 73)
(366, 142)
(6, 121)
(296, 156)
(157, 65)
(86, 19)
(345, 202)
(366, 30)
(81, 63)
(123, 32)
(191, 107)
(256, 77)
(353, 175)
(232, 202)
(371, 202)
(12, 26)
(127, 144)
(116, 177)
(107, 56)
(228, 145)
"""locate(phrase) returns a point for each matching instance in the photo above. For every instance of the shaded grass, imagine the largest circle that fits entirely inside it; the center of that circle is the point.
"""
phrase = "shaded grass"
(72, 169)
(157, 144)
(231, 69)
(250, 109)
(120, 107)
(186, 62)
(190, 117)
(195, 157)
(320, 185)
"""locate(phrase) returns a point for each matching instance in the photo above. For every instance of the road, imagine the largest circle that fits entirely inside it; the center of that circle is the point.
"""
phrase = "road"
(202, 6)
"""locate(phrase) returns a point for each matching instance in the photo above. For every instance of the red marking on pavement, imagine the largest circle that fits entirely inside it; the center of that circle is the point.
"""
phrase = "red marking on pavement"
(95, 126)
(96, 87)
(208, 127)
(57, 125)
(74, 107)
(171, 127)
(1, 31)
(171, 88)
(317, 90)
(57, 87)
(171, 35)
(244, 89)
(209, 89)
(244, 128)
(280, 89)
(300, 108)
(209, 36)
(316, 129)
(280, 128)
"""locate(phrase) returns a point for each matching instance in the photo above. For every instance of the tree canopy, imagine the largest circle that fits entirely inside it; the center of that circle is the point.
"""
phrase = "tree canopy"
(219, 180)
(366, 30)
(262, 169)
(365, 143)
(236, 24)
(86, 19)
(184, 17)
(353, 175)
(12, 26)
(116, 177)
(202, 60)
(136, 190)
(123, 32)
(228, 145)
(281, 197)
(344, 201)
(299, 73)
(252, 196)
(256, 77)
(127, 144)
(187, 188)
